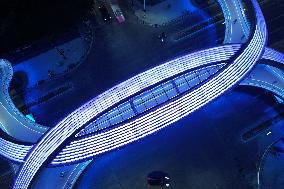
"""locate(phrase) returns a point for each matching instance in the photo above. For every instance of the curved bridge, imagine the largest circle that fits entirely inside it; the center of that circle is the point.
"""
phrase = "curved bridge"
(143, 104)
(266, 77)
(14, 123)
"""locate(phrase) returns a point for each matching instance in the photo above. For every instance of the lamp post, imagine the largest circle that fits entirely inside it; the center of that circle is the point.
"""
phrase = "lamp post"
(144, 6)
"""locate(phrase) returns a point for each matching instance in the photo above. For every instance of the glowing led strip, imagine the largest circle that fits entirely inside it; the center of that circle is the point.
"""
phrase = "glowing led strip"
(12, 151)
(57, 135)
(273, 55)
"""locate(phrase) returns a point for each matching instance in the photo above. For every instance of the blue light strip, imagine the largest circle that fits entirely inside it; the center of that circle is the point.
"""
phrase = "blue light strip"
(150, 122)
(12, 151)
(271, 54)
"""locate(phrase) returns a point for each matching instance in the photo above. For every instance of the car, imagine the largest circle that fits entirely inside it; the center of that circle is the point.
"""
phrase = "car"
(104, 12)
(119, 16)
(117, 11)
(158, 178)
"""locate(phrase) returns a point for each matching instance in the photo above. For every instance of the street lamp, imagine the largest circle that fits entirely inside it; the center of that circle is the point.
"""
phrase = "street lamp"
(144, 6)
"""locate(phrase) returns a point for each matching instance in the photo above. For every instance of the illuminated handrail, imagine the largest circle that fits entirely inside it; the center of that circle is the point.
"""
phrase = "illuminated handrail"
(273, 55)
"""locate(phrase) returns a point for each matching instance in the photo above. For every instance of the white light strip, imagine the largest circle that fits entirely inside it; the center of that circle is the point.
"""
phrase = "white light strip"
(271, 54)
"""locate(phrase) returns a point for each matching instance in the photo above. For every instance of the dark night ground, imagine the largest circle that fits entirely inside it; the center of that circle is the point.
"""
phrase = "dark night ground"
(24, 21)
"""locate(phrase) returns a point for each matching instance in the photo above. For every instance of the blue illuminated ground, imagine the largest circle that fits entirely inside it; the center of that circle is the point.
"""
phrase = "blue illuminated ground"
(200, 151)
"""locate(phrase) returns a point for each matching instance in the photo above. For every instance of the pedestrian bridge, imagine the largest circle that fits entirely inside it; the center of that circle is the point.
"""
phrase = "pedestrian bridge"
(268, 75)
(146, 103)
(12, 121)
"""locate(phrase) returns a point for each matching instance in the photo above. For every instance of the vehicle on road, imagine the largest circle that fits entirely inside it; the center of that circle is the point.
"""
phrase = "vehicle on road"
(158, 178)
(119, 16)
(117, 11)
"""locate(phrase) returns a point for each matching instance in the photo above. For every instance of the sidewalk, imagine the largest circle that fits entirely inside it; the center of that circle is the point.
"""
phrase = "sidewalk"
(56, 61)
